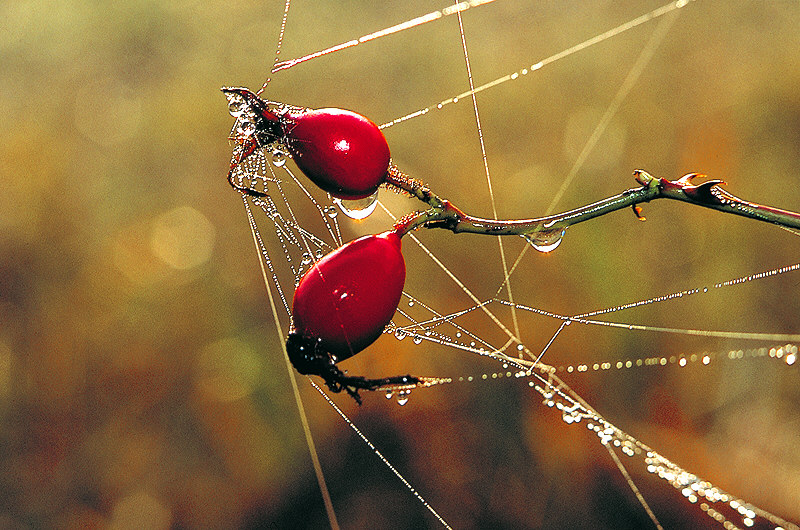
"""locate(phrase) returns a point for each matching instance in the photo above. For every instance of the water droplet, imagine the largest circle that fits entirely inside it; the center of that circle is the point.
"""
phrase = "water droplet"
(246, 127)
(358, 208)
(389, 394)
(318, 253)
(236, 104)
(306, 258)
(399, 334)
(458, 334)
(417, 339)
(330, 211)
(402, 397)
(545, 241)
(411, 303)
(278, 158)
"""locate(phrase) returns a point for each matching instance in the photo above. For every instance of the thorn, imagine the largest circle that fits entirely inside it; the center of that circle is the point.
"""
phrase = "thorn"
(687, 179)
(637, 211)
(702, 192)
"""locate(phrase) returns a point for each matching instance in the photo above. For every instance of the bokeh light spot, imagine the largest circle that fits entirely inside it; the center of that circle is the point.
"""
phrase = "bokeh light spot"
(183, 238)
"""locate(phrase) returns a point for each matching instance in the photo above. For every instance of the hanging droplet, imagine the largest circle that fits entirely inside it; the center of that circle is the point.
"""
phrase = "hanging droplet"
(318, 253)
(399, 334)
(330, 211)
(545, 241)
(306, 258)
(402, 397)
(358, 208)
(417, 339)
(278, 158)
(389, 394)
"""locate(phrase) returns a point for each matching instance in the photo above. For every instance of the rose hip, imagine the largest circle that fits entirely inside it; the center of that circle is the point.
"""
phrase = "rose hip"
(347, 299)
(342, 152)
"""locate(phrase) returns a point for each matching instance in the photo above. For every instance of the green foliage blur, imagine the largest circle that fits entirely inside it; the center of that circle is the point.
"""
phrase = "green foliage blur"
(142, 383)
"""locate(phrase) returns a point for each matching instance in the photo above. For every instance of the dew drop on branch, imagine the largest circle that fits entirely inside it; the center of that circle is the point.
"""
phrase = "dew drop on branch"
(545, 241)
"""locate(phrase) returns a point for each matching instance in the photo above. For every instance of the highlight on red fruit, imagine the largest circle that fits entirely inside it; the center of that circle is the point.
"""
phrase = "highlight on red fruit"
(348, 297)
(341, 151)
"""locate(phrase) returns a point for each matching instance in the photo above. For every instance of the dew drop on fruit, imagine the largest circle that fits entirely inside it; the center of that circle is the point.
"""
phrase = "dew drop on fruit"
(545, 241)
(358, 208)
(236, 104)
(246, 127)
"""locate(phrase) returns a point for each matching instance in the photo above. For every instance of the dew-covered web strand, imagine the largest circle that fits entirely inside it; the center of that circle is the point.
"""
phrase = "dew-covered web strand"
(487, 173)
(628, 83)
(375, 450)
(264, 260)
(574, 399)
(457, 8)
(519, 74)
(693, 291)
(583, 318)
(461, 285)
(278, 45)
(557, 394)
(574, 409)
(632, 485)
(271, 209)
(639, 65)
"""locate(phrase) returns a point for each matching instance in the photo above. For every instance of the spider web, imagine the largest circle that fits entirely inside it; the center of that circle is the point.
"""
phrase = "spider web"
(495, 329)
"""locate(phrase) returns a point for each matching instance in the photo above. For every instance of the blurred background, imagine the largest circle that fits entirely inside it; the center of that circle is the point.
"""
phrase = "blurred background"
(142, 384)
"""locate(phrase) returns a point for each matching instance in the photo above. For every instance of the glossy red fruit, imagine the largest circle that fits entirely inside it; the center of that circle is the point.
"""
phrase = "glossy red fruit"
(342, 152)
(350, 295)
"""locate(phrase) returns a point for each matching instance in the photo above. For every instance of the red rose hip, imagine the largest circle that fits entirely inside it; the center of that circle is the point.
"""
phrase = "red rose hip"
(342, 152)
(346, 300)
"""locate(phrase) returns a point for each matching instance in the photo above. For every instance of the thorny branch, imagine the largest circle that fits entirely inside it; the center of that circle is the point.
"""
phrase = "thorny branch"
(709, 194)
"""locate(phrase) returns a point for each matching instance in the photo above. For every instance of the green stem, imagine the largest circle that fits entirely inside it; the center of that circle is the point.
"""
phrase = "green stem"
(443, 214)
